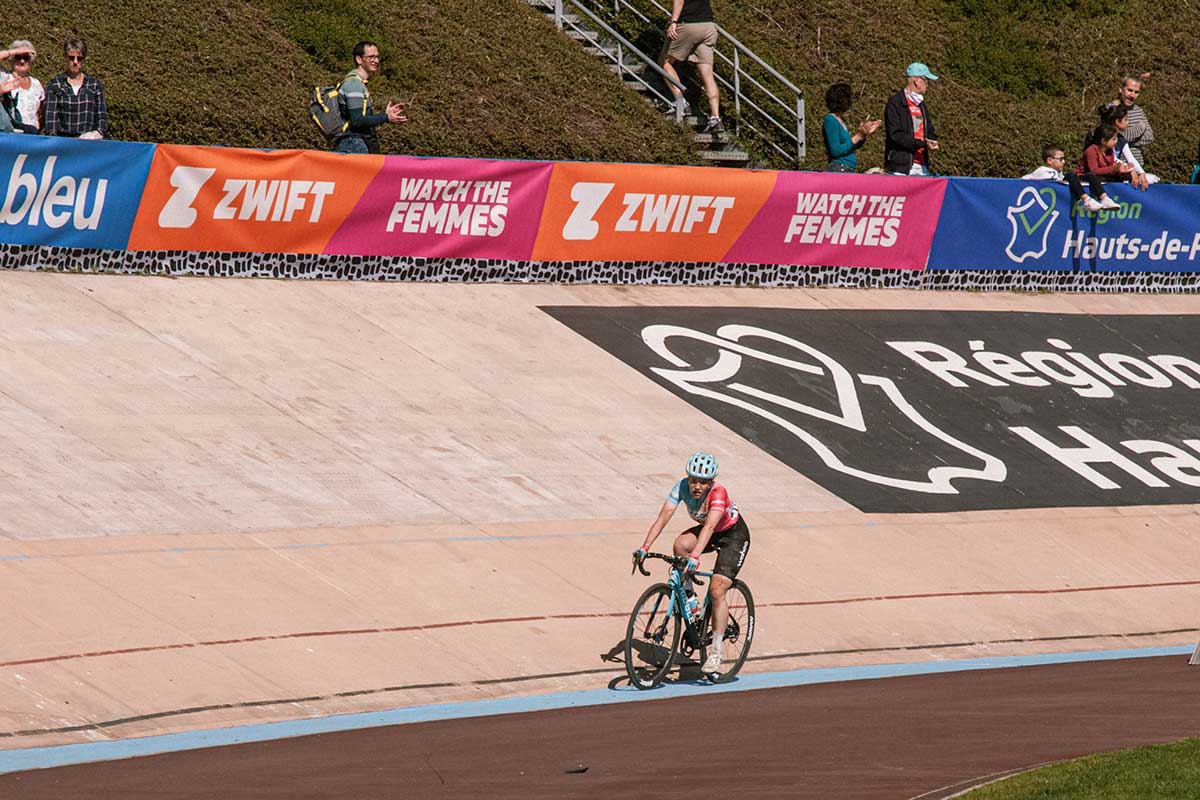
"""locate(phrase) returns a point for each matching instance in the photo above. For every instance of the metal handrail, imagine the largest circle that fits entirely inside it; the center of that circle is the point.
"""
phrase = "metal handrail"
(560, 20)
(795, 111)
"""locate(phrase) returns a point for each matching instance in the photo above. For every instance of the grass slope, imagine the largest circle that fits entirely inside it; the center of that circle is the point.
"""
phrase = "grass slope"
(1015, 74)
(492, 78)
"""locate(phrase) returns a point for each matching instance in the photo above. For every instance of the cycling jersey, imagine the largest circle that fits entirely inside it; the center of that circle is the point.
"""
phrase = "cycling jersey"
(715, 500)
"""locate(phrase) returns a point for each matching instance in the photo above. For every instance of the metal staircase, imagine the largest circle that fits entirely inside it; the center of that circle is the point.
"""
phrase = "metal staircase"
(767, 109)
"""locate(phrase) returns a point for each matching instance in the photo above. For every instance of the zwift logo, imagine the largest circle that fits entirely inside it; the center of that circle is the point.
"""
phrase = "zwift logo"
(52, 201)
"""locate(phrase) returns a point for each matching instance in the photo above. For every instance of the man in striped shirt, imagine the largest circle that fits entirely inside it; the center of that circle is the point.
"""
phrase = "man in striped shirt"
(1139, 133)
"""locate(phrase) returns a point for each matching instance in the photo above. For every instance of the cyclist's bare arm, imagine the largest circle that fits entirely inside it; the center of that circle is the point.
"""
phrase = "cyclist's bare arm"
(660, 522)
(706, 534)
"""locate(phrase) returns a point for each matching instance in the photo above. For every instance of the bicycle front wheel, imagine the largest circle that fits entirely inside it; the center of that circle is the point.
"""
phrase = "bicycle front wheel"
(739, 631)
(652, 638)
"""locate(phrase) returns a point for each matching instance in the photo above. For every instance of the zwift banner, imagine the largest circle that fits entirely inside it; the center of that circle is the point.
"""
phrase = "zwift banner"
(993, 224)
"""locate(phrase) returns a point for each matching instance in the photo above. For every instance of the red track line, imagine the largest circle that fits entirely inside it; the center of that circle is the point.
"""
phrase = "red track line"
(548, 617)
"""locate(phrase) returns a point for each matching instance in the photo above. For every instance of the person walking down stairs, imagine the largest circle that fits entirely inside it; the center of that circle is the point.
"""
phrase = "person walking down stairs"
(691, 36)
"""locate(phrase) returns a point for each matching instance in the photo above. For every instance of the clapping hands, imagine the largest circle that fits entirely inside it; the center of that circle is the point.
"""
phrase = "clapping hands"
(396, 112)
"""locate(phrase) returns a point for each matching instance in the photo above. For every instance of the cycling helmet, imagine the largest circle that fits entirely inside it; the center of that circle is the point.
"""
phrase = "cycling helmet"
(702, 466)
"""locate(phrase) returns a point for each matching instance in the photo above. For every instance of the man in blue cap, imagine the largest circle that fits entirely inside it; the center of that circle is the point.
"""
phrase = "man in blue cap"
(910, 133)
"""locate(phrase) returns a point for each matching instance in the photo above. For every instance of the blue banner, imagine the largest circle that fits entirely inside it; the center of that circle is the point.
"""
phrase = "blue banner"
(68, 192)
(1004, 224)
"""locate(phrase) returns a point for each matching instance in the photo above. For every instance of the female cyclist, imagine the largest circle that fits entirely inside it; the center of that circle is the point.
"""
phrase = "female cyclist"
(720, 528)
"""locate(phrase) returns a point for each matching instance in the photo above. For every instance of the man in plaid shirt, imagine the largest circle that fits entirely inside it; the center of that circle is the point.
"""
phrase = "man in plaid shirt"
(75, 103)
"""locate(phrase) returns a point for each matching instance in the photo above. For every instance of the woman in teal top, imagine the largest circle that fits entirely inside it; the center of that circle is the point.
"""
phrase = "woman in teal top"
(840, 144)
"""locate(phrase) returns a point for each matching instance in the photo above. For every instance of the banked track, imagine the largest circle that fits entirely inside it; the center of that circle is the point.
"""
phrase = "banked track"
(245, 501)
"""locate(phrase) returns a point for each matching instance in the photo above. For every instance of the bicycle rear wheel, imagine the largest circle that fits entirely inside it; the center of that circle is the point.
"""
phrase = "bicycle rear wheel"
(652, 638)
(739, 631)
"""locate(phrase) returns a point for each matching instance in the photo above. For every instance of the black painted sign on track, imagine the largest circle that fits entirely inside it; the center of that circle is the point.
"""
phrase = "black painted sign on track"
(925, 411)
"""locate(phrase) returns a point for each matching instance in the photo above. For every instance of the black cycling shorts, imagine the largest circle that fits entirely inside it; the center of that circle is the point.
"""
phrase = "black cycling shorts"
(731, 544)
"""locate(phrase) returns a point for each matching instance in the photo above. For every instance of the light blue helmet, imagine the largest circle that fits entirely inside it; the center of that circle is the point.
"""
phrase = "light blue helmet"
(702, 466)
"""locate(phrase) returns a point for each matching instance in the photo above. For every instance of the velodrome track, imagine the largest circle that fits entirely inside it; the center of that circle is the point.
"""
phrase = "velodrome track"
(238, 502)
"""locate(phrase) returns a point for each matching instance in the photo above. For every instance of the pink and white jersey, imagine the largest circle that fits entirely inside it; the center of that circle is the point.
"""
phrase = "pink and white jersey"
(715, 501)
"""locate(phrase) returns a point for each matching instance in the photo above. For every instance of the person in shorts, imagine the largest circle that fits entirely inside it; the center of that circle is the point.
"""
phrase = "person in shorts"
(719, 527)
(691, 36)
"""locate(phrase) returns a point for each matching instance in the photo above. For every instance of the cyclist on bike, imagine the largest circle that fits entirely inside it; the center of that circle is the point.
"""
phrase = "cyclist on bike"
(721, 528)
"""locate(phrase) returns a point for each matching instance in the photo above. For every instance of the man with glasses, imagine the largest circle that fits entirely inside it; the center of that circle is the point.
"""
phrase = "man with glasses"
(75, 104)
(910, 134)
(361, 137)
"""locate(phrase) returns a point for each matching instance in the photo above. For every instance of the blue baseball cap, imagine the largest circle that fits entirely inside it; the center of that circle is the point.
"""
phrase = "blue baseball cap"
(919, 70)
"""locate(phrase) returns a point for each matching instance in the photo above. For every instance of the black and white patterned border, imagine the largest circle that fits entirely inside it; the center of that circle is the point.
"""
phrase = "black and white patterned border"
(641, 273)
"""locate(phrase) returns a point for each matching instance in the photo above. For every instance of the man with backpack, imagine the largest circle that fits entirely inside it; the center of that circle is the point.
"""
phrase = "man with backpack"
(359, 135)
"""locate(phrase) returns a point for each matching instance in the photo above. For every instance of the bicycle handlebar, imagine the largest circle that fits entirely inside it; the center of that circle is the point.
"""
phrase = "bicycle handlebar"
(678, 562)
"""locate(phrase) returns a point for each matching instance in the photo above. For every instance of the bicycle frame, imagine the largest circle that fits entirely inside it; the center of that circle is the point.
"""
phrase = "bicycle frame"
(679, 602)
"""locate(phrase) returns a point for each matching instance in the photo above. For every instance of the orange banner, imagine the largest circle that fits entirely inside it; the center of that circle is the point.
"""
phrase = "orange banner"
(285, 201)
(619, 212)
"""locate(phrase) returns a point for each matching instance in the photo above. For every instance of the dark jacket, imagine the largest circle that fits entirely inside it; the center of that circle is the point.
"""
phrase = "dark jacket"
(901, 144)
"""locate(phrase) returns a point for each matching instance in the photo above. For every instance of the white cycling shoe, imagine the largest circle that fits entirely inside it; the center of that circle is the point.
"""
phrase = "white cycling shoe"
(712, 664)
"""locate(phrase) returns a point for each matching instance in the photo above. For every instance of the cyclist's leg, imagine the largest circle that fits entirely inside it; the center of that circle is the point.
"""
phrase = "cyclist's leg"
(686, 541)
(717, 588)
(732, 546)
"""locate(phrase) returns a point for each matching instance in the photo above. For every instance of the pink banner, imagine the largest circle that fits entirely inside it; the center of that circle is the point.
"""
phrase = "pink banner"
(835, 219)
(447, 208)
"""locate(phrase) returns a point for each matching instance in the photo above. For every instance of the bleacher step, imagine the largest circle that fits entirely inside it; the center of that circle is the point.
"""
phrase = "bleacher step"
(724, 155)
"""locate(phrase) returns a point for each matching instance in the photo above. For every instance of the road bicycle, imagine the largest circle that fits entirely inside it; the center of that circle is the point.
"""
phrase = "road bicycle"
(660, 628)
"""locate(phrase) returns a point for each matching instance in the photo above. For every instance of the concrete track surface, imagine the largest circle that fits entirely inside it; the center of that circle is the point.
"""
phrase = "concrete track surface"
(231, 502)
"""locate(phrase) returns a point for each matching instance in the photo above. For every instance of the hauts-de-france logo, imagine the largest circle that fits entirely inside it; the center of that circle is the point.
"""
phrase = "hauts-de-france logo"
(1031, 217)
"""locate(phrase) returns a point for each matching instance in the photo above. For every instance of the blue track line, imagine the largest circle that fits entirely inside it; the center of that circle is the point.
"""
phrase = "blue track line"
(66, 755)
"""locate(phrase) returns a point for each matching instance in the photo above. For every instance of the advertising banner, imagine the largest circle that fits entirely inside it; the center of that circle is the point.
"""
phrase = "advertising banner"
(935, 411)
(632, 212)
(283, 201)
(837, 220)
(70, 193)
(447, 207)
(995, 224)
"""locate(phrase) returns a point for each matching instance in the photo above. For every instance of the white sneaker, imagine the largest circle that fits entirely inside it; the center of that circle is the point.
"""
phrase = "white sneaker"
(1091, 204)
(712, 663)
(1108, 204)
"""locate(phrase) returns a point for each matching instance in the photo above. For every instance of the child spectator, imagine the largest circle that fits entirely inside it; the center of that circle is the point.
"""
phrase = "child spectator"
(1097, 164)
(840, 144)
(1117, 115)
(1053, 161)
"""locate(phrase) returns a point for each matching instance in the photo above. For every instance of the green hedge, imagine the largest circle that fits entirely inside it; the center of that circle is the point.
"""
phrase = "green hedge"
(493, 79)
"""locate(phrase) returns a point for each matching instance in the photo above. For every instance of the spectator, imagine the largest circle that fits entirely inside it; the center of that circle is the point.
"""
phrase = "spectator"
(1097, 164)
(1139, 133)
(910, 133)
(1196, 168)
(75, 103)
(361, 137)
(28, 95)
(1117, 115)
(691, 36)
(9, 84)
(840, 144)
(1053, 160)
